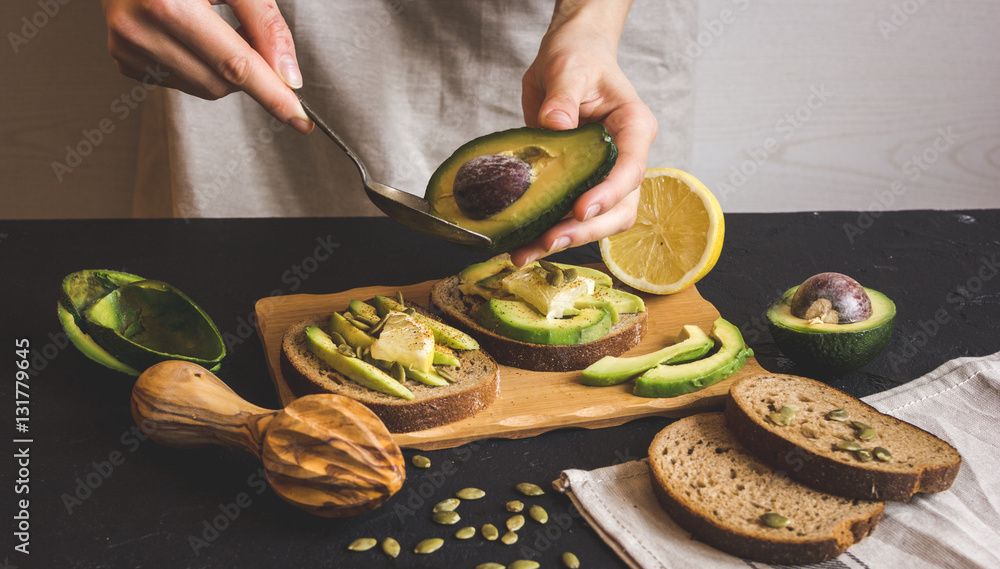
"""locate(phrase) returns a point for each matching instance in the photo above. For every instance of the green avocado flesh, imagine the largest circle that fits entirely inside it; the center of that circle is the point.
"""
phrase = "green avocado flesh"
(88, 346)
(692, 343)
(832, 348)
(667, 380)
(83, 288)
(564, 164)
(146, 322)
(519, 321)
(357, 370)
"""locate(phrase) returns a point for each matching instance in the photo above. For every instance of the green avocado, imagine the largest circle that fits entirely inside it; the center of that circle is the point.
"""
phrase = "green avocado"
(692, 343)
(81, 289)
(562, 166)
(615, 301)
(673, 380)
(88, 346)
(520, 321)
(443, 334)
(359, 371)
(832, 348)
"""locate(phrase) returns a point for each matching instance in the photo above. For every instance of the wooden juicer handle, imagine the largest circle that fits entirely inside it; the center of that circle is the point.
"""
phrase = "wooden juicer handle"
(324, 453)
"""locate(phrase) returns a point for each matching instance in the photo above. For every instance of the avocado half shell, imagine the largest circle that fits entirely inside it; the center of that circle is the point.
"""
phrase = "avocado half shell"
(828, 349)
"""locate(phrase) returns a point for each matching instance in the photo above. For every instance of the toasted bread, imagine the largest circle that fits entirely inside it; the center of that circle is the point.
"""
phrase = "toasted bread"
(459, 308)
(806, 448)
(477, 385)
(712, 487)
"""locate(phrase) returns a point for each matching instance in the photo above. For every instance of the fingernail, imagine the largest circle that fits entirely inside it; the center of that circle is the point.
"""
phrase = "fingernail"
(559, 119)
(289, 70)
(559, 244)
(304, 126)
(592, 211)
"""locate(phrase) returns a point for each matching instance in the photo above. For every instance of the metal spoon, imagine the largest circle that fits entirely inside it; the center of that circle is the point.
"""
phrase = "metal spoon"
(408, 209)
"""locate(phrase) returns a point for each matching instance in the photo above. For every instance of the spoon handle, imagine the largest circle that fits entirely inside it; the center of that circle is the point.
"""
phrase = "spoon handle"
(183, 405)
(321, 124)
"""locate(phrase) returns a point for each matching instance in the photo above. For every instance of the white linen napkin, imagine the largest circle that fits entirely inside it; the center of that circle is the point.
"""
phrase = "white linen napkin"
(958, 528)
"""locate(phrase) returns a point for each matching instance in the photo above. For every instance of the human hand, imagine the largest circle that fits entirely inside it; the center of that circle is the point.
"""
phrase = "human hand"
(576, 78)
(193, 49)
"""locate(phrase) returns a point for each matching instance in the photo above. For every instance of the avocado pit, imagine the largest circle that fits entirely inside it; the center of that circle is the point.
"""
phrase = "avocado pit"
(486, 185)
(831, 298)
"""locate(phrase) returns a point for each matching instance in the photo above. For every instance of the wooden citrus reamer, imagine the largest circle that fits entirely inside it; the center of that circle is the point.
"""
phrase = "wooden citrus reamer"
(324, 453)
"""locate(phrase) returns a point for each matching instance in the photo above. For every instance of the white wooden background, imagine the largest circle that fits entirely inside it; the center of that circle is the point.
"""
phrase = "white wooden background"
(801, 106)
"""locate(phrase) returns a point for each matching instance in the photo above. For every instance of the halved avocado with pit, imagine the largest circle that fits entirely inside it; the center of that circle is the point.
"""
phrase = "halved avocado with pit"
(563, 165)
(826, 348)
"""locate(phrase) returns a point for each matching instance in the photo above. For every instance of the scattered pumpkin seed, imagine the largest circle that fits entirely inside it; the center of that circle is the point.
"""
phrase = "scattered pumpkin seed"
(541, 272)
(515, 506)
(421, 461)
(399, 298)
(447, 505)
(429, 545)
(470, 493)
(779, 419)
(397, 372)
(509, 538)
(867, 434)
(538, 514)
(490, 532)
(490, 565)
(515, 523)
(838, 415)
(363, 326)
(549, 266)
(346, 350)
(466, 533)
(882, 454)
(556, 278)
(447, 376)
(523, 564)
(448, 518)
(570, 274)
(788, 411)
(529, 489)
(774, 520)
(362, 544)
(359, 352)
(337, 338)
(570, 561)
(863, 455)
(859, 425)
(396, 319)
(848, 445)
(377, 328)
(390, 547)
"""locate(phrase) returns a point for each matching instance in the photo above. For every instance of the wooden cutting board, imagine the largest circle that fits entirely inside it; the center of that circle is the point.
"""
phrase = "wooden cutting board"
(530, 402)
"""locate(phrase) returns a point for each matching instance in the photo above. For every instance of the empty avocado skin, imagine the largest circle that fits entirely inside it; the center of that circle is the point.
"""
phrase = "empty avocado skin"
(564, 164)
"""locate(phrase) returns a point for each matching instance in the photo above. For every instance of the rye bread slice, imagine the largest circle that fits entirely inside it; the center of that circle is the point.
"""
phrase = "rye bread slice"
(458, 309)
(712, 487)
(805, 448)
(477, 385)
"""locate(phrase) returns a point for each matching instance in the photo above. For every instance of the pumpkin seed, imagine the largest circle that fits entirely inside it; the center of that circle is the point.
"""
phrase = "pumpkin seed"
(447, 505)
(363, 326)
(470, 493)
(882, 454)
(848, 445)
(523, 564)
(515, 523)
(377, 328)
(346, 350)
(863, 455)
(490, 532)
(490, 565)
(399, 298)
(447, 376)
(838, 415)
(362, 544)
(555, 278)
(509, 538)
(515, 506)
(570, 274)
(541, 272)
(529, 489)
(538, 514)
(549, 266)
(421, 461)
(774, 520)
(397, 372)
(466, 532)
(337, 338)
(788, 411)
(779, 419)
(429, 545)
(859, 425)
(390, 547)
(447, 518)
(867, 434)
(359, 352)
(395, 319)
(570, 561)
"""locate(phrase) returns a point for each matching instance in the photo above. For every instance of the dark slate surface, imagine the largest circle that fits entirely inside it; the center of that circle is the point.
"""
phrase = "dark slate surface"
(99, 496)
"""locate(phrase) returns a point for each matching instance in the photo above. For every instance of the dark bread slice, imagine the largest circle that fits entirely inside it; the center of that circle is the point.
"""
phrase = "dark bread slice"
(477, 385)
(712, 487)
(459, 308)
(805, 447)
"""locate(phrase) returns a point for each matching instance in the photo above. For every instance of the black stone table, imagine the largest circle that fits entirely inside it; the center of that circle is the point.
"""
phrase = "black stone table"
(98, 495)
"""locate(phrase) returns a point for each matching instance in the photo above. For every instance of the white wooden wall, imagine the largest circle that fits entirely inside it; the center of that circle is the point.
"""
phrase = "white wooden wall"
(801, 106)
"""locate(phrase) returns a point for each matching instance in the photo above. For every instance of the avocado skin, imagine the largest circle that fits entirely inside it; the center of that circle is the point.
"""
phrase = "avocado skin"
(827, 353)
(526, 230)
(519, 321)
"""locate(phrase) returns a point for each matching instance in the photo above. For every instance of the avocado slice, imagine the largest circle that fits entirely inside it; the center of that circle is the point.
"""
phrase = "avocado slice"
(359, 371)
(443, 334)
(832, 348)
(615, 301)
(692, 343)
(672, 380)
(81, 289)
(520, 321)
(88, 346)
(148, 321)
(351, 334)
(563, 165)
(363, 311)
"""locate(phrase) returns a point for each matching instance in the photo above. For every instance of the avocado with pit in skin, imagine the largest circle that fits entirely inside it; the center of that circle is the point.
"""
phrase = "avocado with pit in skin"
(513, 185)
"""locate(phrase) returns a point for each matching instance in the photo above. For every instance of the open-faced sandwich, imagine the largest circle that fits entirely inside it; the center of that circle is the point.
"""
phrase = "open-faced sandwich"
(412, 370)
(543, 316)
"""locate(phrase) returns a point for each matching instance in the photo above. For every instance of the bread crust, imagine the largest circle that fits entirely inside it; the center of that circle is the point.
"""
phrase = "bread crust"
(781, 548)
(477, 385)
(830, 470)
(458, 309)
